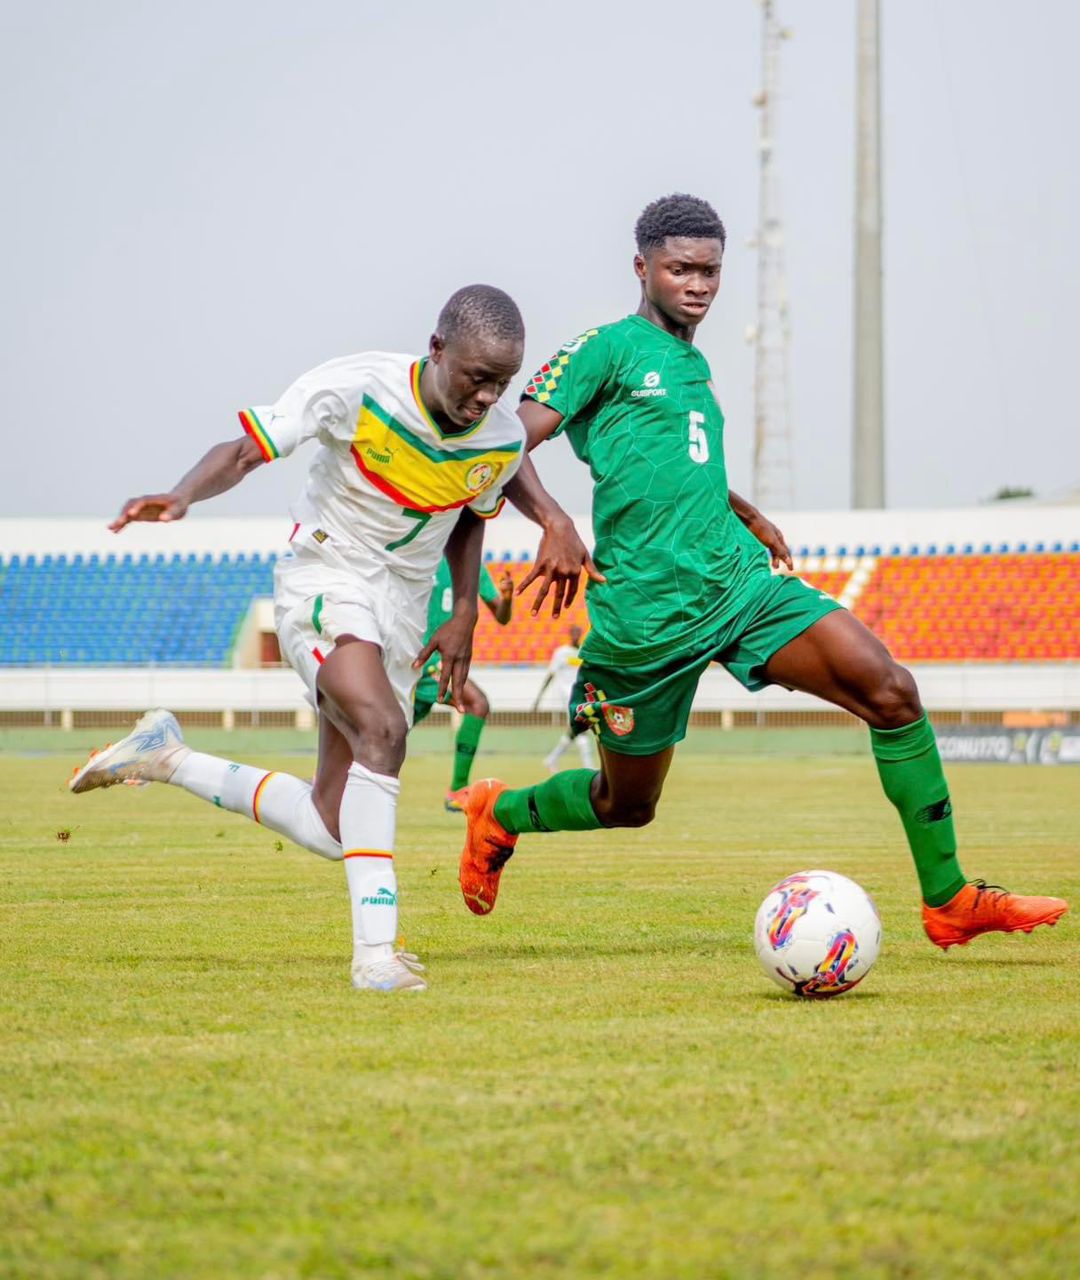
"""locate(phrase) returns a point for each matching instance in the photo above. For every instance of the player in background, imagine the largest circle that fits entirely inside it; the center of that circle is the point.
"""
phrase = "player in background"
(562, 670)
(688, 582)
(411, 451)
(474, 704)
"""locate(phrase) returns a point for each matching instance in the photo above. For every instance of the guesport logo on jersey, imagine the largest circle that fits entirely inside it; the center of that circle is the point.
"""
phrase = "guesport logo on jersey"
(651, 387)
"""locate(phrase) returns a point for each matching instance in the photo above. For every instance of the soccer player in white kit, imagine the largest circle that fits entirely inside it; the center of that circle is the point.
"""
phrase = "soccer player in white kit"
(562, 672)
(410, 451)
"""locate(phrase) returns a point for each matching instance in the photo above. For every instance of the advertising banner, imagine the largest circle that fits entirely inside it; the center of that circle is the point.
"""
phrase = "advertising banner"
(985, 745)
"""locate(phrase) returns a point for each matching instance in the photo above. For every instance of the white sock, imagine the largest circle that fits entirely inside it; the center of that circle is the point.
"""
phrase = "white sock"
(276, 800)
(368, 820)
(553, 756)
(585, 749)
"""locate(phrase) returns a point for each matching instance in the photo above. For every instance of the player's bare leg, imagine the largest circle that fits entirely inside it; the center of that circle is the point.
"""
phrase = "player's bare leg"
(627, 789)
(331, 773)
(624, 793)
(840, 660)
(356, 698)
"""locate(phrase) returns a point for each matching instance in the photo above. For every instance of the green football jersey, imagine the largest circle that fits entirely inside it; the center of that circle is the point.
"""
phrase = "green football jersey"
(638, 407)
(441, 604)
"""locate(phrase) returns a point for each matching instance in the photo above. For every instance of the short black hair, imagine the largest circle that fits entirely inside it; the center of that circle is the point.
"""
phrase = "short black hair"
(677, 215)
(481, 310)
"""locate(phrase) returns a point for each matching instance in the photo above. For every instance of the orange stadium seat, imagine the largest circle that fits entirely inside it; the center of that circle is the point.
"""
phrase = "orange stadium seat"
(525, 639)
(187, 610)
(999, 607)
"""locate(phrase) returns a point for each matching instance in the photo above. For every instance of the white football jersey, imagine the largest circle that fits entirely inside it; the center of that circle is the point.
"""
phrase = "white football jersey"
(386, 484)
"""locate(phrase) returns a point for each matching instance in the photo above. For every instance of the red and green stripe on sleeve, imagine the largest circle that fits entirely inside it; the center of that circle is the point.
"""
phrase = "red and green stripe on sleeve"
(249, 420)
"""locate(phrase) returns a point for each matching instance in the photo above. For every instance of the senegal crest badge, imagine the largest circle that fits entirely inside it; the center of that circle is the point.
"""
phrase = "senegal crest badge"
(482, 475)
(619, 720)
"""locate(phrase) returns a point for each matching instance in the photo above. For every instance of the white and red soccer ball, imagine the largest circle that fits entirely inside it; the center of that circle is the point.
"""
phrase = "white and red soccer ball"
(817, 934)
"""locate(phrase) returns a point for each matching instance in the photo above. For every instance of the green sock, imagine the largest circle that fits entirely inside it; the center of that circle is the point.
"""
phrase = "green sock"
(562, 803)
(910, 770)
(465, 744)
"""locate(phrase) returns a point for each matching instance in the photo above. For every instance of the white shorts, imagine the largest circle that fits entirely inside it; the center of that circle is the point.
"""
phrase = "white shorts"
(314, 603)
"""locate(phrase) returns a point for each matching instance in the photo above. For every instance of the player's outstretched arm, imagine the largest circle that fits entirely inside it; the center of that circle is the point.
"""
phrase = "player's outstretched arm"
(502, 610)
(218, 470)
(562, 554)
(763, 529)
(454, 638)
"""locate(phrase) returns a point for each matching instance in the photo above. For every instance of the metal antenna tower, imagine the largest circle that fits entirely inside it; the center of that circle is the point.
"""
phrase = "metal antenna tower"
(868, 451)
(774, 481)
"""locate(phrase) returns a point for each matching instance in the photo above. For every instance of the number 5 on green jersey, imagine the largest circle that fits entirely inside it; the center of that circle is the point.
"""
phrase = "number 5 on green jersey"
(699, 441)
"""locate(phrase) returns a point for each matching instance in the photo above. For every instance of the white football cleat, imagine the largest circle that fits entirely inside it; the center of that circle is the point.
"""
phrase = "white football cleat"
(399, 972)
(150, 753)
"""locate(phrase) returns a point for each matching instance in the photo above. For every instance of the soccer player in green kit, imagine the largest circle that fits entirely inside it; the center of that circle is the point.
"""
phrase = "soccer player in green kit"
(688, 581)
(475, 706)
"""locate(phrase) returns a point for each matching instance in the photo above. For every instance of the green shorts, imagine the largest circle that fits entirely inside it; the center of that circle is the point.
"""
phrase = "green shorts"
(638, 711)
(426, 694)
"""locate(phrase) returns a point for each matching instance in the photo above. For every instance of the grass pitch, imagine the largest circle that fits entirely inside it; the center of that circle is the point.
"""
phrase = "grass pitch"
(600, 1081)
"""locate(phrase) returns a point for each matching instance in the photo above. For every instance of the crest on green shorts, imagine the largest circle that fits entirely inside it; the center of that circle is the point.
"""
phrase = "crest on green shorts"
(619, 720)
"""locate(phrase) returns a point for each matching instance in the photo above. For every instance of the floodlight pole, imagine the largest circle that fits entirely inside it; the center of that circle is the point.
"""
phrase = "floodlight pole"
(868, 445)
(773, 479)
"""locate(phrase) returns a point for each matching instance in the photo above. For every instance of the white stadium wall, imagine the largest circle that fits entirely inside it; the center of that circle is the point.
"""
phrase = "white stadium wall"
(1013, 524)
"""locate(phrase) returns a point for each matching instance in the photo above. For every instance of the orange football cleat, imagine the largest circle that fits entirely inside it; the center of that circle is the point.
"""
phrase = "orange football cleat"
(488, 847)
(455, 800)
(987, 908)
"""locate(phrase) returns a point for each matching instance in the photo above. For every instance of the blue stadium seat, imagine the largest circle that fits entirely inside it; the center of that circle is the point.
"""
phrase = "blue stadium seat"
(183, 609)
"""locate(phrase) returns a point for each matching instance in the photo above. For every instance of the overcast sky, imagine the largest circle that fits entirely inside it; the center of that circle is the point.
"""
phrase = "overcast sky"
(203, 200)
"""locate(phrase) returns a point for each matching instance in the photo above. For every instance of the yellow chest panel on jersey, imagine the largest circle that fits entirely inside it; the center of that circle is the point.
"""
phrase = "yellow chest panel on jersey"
(421, 474)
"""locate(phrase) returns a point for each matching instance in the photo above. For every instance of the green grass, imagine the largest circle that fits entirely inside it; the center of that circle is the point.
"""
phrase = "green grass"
(600, 1081)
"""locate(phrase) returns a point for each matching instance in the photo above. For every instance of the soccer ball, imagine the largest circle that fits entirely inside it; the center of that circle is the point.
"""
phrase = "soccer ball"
(817, 934)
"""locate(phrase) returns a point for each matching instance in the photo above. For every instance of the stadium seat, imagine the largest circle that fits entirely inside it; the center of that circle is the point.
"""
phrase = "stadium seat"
(187, 610)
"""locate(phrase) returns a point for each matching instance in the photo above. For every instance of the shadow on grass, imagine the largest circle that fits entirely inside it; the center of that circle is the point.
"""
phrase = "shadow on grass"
(502, 950)
(211, 960)
(789, 997)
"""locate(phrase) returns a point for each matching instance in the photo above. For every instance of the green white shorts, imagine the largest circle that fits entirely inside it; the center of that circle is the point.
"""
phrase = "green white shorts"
(315, 602)
(641, 710)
